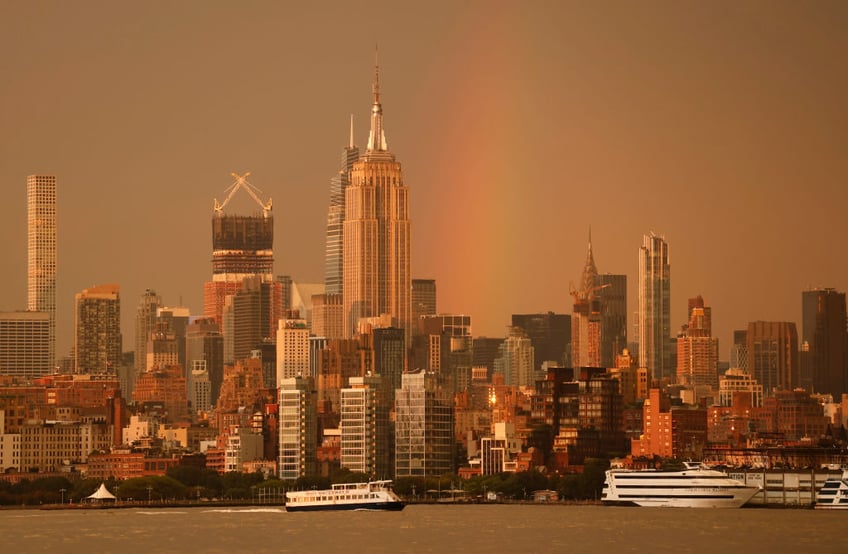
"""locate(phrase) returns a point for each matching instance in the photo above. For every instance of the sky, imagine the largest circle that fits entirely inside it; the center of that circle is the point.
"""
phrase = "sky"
(722, 126)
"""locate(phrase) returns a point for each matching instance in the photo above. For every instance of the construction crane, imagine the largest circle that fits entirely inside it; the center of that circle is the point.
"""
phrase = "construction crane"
(242, 183)
(586, 293)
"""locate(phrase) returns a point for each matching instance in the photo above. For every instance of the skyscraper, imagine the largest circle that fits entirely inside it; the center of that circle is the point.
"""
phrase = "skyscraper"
(145, 322)
(256, 309)
(242, 246)
(697, 349)
(516, 359)
(334, 259)
(825, 341)
(612, 290)
(292, 349)
(586, 320)
(376, 241)
(97, 330)
(654, 325)
(773, 355)
(41, 251)
(549, 333)
(205, 350)
(423, 300)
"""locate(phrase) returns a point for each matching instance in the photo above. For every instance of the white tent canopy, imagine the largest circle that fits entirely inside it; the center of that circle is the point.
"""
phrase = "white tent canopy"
(102, 494)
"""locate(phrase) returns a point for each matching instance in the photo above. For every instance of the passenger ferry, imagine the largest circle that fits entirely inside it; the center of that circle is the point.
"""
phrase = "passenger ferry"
(374, 495)
(693, 487)
(834, 493)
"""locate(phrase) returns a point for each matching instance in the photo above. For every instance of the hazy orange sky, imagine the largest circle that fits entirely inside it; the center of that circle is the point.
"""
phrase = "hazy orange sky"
(721, 125)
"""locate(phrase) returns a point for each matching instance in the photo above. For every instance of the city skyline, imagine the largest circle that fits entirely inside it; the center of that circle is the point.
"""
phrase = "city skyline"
(718, 127)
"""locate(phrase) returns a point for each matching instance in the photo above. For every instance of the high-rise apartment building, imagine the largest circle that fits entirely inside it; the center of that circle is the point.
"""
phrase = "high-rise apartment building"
(292, 349)
(174, 321)
(654, 324)
(334, 258)
(825, 341)
(205, 350)
(365, 431)
(162, 348)
(773, 355)
(697, 349)
(298, 428)
(97, 330)
(377, 255)
(24, 339)
(516, 361)
(145, 323)
(424, 421)
(41, 251)
(444, 344)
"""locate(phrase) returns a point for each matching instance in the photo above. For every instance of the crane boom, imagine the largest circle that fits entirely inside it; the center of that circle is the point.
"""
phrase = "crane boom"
(242, 183)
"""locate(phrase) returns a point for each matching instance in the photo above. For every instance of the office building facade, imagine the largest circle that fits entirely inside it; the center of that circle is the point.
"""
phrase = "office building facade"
(25, 344)
(825, 341)
(773, 355)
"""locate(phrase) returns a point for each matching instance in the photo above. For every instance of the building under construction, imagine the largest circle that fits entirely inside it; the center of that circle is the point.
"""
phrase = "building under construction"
(242, 247)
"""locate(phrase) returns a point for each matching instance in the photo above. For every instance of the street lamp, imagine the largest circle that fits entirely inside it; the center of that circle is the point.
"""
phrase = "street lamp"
(63, 496)
(149, 490)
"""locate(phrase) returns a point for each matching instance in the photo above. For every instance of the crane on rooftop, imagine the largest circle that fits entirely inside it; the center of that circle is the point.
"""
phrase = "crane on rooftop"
(241, 182)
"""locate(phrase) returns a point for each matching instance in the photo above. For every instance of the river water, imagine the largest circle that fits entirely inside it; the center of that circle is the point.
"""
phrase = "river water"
(427, 528)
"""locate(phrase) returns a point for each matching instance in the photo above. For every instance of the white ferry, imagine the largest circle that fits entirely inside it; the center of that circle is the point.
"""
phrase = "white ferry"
(374, 495)
(693, 487)
(834, 493)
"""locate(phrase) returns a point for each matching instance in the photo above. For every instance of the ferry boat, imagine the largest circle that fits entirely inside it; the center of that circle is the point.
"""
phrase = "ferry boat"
(834, 493)
(693, 487)
(373, 495)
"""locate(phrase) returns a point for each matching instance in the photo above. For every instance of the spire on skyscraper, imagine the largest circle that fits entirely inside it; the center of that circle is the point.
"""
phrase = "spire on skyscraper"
(590, 271)
(377, 135)
(350, 142)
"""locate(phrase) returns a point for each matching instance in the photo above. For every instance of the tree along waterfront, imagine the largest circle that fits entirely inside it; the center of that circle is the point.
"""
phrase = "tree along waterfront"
(190, 483)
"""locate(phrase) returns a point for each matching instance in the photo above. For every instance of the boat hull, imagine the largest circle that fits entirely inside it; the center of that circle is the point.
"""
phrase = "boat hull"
(381, 506)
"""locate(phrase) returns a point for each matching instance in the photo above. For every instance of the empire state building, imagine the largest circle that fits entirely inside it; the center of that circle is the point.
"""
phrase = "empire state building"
(377, 277)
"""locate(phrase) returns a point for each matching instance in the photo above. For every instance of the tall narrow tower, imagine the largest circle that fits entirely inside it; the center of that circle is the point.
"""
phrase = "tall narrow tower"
(654, 325)
(586, 321)
(41, 251)
(334, 259)
(377, 233)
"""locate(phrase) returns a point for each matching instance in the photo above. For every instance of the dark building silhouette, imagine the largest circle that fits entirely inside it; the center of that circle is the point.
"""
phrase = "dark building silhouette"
(549, 333)
(773, 355)
(613, 295)
(824, 341)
